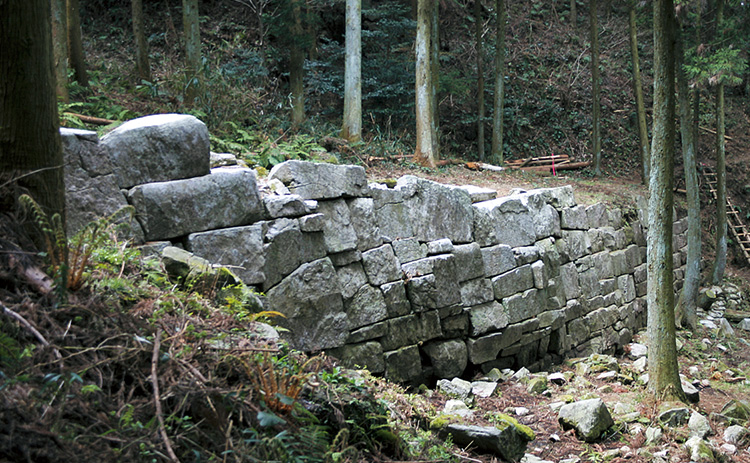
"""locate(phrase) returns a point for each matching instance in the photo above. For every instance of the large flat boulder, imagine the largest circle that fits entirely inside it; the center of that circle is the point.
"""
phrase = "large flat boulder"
(227, 197)
(505, 220)
(91, 190)
(159, 148)
(321, 181)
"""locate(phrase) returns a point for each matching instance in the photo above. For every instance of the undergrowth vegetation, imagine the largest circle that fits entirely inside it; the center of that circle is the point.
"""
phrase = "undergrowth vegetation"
(133, 364)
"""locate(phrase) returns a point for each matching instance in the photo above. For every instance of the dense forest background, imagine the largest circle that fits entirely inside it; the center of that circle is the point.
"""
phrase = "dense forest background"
(244, 96)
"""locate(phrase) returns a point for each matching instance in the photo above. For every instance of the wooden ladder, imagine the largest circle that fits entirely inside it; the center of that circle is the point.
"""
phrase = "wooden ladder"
(734, 221)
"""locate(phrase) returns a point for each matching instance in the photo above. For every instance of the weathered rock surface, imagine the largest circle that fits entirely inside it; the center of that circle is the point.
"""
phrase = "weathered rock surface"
(590, 418)
(321, 181)
(240, 248)
(504, 440)
(158, 148)
(91, 190)
(225, 198)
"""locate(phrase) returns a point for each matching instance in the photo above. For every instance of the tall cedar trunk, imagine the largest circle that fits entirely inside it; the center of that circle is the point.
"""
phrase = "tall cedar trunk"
(596, 131)
(191, 29)
(664, 378)
(640, 107)
(75, 44)
(30, 147)
(721, 171)
(499, 103)
(297, 66)
(720, 263)
(60, 47)
(480, 79)
(426, 150)
(689, 295)
(352, 128)
(573, 13)
(435, 69)
(142, 68)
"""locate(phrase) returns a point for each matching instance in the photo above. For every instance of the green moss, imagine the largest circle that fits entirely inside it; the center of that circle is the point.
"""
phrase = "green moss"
(441, 421)
(521, 428)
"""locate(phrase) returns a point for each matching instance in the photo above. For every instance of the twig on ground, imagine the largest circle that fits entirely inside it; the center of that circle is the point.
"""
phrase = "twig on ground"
(157, 398)
(30, 328)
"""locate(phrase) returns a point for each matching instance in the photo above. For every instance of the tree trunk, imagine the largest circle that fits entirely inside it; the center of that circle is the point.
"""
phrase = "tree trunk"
(297, 66)
(426, 149)
(721, 191)
(191, 30)
(573, 13)
(60, 48)
(142, 67)
(721, 171)
(30, 147)
(499, 104)
(75, 44)
(689, 296)
(596, 131)
(480, 78)
(352, 128)
(435, 69)
(640, 108)
(664, 379)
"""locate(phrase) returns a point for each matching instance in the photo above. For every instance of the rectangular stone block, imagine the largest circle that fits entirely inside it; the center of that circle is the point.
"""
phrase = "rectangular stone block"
(569, 281)
(239, 248)
(381, 265)
(512, 282)
(523, 306)
(497, 259)
(408, 250)
(503, 221)
(228, 197)
(475, 292)
(487, 317)
(321, 180)
(469, 261)
(487, 348)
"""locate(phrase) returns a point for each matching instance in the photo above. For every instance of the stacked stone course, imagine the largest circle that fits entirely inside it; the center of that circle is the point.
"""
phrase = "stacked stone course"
(416, 281)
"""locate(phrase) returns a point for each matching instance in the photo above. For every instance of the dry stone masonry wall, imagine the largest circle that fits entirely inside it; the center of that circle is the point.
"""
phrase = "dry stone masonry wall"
(415, 281)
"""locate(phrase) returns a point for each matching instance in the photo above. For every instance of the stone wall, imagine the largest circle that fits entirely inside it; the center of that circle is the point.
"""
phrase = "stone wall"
(416, 280)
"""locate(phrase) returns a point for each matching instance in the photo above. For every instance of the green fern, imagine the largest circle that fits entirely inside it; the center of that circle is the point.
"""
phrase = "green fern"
(69, 259)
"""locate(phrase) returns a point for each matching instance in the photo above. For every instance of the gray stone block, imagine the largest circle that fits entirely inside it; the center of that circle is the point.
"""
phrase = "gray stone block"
(368, 354)
(524, 306)
(321, 181)
(539, 271)
(351, 278)
(338, 231)
(412, 329)
(393, 215)
(312, 306)
(395, 299)
(483, 318)
(441, 246)
(578, 242)
(362, 213)
(408, 250)
(448, 358)
(286, 247)
(403, 365)
(487, 348)
(437, 211)
(312, 223)
(526, 254)
(158, 148)
(512, 282)
(598, 216)
(368, 333)
(239, 248)
(504, 221)
(574, 218)
(381, 265)
(498, 259)
(469, 261)
(475, 292)
(227, 197)
(366, 307)
(284, 206)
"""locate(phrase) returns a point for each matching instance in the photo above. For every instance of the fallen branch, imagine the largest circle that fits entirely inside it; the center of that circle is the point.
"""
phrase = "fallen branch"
(91, 119)
(30, 328)
(157, 397)
(706, 129)
(484, 166)
(34, 276)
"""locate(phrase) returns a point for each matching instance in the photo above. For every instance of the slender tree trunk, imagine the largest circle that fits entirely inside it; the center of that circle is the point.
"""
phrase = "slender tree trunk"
(573, 13)
(426, 150)
(664, 379)
(689, 296)
(142, 68)
(721, 171)
(30, 147)
(721, 191)
(352, 129)
(640, 107)
(480, 78)
(499, 103)
(596, 131)
(192, 32)
(297, 66)
(75, 44)
(435, 69)
(60, 47)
